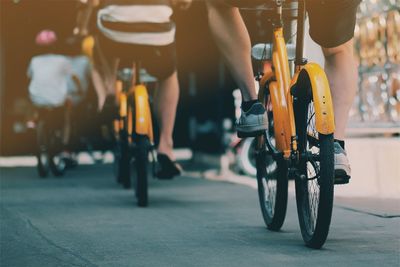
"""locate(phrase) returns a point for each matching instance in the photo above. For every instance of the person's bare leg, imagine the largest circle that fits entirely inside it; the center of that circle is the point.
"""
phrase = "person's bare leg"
(99, 87)
(166, 101)
(234, 44)
(341, 69)
(111, 79)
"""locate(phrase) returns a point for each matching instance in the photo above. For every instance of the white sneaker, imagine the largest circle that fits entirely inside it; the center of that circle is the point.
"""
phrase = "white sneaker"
(342, 165)
(253, 122)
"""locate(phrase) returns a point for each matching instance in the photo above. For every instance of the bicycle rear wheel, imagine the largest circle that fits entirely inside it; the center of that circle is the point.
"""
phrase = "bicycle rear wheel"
(272, 180)
(117, 160)
(56, 161)
(57, 164)
(272, 190)
(125, 161)
(42, 153)
(315, 177)
(141, 163)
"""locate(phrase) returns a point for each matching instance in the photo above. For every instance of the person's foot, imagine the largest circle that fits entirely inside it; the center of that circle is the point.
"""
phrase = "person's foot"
(342, 165)
(168, 169)
(252, 122)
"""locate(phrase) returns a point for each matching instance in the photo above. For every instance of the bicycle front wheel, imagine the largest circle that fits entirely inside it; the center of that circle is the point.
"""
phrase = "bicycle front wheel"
(141, 164)
(315, 171)
(272, 186)
(125, 161)
(57, 163)
(42, 153)
(272, 179)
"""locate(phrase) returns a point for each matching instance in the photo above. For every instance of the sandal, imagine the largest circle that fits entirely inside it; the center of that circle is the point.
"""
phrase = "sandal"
(168, 168)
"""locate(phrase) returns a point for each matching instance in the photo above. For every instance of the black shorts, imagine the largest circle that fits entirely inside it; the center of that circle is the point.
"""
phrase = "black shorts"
(159, 61)
(332, 22)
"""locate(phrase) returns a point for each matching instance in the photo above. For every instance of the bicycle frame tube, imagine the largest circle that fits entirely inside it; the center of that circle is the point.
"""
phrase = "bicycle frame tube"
(263, 83)
(280, 96)
(299, 61)
(143, 122)
(123, 103)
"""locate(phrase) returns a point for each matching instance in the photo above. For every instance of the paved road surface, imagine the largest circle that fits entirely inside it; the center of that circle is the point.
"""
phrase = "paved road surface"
(85, 219)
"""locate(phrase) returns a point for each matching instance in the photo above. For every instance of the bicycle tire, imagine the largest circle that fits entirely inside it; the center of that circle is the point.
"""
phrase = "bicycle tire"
(42, 165)
(246, 157)
(141, 164)
(125, 161)
(56, 162)
(315, 180)
(116, 163)
(42, 154)
(271, 177)
(273, 206)
(57, 166)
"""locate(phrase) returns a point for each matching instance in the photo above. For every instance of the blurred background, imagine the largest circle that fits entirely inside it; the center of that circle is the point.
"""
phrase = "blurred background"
(201, 74)
(208, 100)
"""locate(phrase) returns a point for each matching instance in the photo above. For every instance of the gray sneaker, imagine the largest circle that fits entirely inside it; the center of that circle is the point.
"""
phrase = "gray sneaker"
(342, 165)
(253, 122)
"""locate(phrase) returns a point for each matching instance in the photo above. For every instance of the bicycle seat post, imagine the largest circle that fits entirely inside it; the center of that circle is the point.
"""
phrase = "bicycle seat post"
(136, 73)
(300, 61)
(277, 20)
(134, 76)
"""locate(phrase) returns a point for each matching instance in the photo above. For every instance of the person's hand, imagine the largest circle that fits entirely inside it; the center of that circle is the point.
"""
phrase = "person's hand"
(182, 4)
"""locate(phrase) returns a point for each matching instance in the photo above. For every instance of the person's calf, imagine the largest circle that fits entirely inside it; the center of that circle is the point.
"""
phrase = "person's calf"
(341, 70)
(331, 52)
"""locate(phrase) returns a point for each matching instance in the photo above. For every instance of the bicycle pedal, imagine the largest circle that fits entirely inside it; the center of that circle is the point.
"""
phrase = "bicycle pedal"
(250, 134)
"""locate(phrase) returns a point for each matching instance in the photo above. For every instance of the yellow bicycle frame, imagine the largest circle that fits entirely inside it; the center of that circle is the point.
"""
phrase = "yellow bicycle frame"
(143, 121)
(282, 100)
(279, 90)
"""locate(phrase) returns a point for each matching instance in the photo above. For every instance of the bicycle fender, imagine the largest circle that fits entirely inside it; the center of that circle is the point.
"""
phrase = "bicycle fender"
(324, 115)
(143, 124)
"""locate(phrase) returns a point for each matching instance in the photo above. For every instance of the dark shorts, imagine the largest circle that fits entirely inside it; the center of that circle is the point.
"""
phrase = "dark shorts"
(159, 61)
(332, 22)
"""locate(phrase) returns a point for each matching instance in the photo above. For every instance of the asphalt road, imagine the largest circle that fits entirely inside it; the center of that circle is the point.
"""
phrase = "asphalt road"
(86, 219)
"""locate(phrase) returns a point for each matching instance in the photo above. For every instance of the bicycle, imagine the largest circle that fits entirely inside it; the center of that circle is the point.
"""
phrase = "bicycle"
(299, 141)
(133, 130)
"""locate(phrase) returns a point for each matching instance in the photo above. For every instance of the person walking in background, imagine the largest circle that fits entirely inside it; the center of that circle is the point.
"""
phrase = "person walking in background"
(55, 82)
